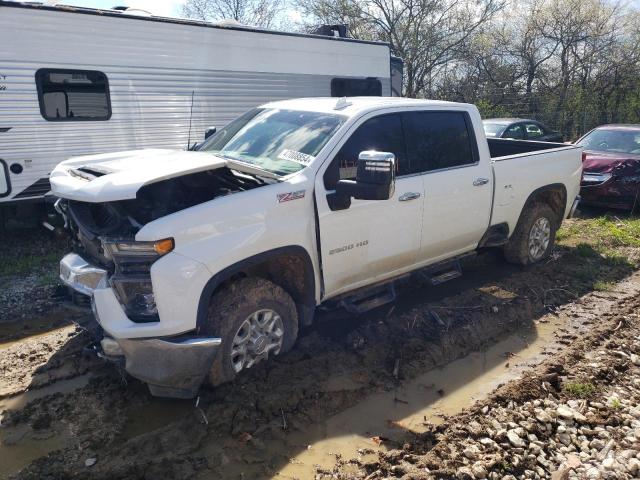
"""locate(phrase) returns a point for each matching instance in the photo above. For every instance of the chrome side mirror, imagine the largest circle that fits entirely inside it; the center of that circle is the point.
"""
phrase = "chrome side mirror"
(375, 177)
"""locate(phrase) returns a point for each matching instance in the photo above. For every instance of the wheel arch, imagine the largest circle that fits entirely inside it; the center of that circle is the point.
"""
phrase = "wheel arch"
(554, 194)
(290, 267)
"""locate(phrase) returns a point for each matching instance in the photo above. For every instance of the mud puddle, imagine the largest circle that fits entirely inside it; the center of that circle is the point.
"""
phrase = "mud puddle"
(4, 345)
(154, 415)
(22, 444)
(386, 420)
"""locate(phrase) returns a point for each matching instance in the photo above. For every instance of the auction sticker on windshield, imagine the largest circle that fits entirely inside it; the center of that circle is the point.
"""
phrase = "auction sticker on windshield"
(298, 157)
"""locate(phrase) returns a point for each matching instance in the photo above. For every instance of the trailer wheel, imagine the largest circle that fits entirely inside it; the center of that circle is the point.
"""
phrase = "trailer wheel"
(534, 236)
(256, 320)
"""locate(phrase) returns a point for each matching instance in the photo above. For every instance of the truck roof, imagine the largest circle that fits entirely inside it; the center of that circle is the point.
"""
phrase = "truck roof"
(350, 106)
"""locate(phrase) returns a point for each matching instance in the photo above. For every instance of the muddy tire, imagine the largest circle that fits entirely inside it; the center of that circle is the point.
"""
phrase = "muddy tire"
(256, 320)
(534, 236)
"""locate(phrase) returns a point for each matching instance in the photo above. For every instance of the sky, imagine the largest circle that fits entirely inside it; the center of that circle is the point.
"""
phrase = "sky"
(163, 8)
(171, 8)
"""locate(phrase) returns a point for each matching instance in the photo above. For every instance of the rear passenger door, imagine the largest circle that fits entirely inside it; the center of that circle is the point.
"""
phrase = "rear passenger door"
(458, 187)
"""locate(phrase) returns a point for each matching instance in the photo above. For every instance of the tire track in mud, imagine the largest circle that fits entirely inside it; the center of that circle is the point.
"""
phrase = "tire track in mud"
(244, 431)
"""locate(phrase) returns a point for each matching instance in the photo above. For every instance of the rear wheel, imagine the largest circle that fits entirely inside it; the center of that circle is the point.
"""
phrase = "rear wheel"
(256, 320)
(534, 237)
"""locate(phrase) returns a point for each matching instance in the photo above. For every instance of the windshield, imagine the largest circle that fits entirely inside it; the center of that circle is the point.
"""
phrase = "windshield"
(618, 141)
(493, 129)
(279, 141)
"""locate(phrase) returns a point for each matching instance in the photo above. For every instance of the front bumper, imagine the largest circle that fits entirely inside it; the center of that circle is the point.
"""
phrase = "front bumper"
(616, 192)
(172, 366)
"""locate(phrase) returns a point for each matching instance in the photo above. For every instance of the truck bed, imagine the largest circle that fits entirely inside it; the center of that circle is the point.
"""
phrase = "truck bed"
(504, 147)
(520, 167)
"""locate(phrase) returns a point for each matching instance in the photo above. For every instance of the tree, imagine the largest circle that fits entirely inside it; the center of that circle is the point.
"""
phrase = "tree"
(572, 64)
(257, 13)
(427, 34)
(582, 30)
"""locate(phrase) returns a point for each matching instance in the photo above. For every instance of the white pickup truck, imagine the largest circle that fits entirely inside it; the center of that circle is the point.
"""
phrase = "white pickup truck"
(202, 263)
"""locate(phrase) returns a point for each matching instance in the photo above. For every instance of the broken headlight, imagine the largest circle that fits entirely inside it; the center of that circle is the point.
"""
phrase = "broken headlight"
(132, 277)
(136, 296)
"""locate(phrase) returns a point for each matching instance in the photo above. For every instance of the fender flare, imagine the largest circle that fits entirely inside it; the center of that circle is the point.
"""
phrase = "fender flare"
(306, 308)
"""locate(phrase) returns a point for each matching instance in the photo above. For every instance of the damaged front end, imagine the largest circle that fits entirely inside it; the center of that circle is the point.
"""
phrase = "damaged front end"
(113, 268)
(611, 182)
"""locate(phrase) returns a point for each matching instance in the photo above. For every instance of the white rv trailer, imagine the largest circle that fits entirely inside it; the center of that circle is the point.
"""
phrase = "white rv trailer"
(76, 81)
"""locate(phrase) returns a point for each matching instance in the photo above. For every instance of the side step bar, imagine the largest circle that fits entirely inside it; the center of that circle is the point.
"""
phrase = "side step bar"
(368, 298)
(443, 272)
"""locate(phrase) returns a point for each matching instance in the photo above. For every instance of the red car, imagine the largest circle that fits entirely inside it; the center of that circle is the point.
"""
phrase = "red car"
(611, 167)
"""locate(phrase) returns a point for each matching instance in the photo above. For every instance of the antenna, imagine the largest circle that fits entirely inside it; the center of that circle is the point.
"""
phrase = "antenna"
(342, 103)
(190, 118)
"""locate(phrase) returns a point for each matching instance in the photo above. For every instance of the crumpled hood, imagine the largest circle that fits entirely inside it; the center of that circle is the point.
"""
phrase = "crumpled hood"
(118, 176)
(616, 163)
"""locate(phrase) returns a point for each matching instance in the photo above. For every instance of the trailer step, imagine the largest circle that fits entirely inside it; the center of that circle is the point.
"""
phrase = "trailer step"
(444, 272)
(369, 299)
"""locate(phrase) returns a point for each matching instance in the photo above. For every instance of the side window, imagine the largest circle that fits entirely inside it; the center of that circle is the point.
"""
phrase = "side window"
(514, 131)
(437, 140)
(73, 95)
(356, 87)
(533, 130)
(383, 133)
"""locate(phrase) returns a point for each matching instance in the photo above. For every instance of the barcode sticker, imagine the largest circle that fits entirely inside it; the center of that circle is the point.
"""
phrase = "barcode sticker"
(298, 157)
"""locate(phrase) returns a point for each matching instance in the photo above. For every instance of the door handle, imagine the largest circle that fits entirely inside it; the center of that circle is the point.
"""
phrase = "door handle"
(405, 197)
(480, 181)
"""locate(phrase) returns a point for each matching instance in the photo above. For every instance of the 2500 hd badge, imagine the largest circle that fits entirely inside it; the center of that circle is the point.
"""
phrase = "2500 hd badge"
(349, 247)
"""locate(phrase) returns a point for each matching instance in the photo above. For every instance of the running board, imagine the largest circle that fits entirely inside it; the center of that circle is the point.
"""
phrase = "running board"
(442, 272)
(369, 299)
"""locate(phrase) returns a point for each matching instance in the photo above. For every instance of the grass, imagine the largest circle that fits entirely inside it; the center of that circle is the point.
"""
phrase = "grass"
(601, 233)
(49, 278)
(615, 404)
(504, 466)
(24, 264)
(603, 286)
(579, 389)
(602, 243)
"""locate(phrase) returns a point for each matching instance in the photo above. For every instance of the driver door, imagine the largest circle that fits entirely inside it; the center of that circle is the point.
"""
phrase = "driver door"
(371, 240)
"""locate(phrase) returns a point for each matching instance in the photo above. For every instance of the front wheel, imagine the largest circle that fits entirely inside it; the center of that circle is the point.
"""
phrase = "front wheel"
(256, 319)
(534, 236)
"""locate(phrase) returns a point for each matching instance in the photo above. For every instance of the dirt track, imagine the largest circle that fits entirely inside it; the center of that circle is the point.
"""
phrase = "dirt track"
(109, 426)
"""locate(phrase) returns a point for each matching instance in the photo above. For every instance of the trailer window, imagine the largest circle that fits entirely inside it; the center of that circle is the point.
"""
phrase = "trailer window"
(73, 95)
(5, 184)
(356, 87)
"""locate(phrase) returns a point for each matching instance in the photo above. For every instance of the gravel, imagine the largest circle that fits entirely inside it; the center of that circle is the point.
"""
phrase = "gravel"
(529, 429)
(28, 274)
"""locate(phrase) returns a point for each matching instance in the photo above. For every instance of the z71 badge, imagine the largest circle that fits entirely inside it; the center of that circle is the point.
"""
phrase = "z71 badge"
(285, 197)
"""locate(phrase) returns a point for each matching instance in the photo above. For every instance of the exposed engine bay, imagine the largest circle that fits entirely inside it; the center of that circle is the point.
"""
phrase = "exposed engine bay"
(88, 222)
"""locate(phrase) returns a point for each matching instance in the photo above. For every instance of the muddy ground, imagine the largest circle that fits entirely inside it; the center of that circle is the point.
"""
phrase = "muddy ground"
(81, 418)
(576, 415)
